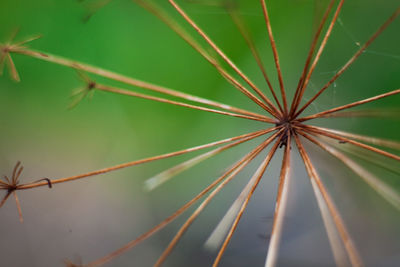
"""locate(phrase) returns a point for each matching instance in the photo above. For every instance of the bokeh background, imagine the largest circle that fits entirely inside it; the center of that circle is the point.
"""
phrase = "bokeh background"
(89, 218)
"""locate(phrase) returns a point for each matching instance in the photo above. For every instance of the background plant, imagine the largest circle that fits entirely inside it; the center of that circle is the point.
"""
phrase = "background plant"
(123, 127)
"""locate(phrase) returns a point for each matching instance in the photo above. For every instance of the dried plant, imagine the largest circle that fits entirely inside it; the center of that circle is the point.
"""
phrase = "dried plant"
(290, 129)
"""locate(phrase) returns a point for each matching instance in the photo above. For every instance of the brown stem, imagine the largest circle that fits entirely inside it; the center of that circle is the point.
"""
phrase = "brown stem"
(346, 239)
(351, 60)
(173, 216)
(137, 162)
(224, 57)
(259, 174)
(318, 55)
(393, 114)
(246, 36)
(170, 22)
(310, 54)
(324, 132)
(367, 139)
(384, 190)
(354, 104)
(197, 212)
(276, 56)
(124, 79)
(163, 100)
(280, 206)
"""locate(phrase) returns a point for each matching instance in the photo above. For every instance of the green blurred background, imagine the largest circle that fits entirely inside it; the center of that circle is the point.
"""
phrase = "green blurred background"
(90, 218)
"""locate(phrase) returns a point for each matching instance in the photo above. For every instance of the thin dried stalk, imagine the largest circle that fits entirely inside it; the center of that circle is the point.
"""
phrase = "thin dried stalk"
(236, 18)
(321, 131)
(170, 22)
(393, 114)
(365, 155)
(352, 59)
(197, 212)
(12, 69)
(4, 199)
(224, 57)
(318, 55)
(338, 252)
(276, 56)
(346, 239)
(124, 79)
(164, 176)
(163, 100)
(347, 106)
(137, 162)
(280, 207)
(21, 219)
(253, 183)
(334, 239)
(367, 139)
(309, 56)
(240, 164)
(384, 190)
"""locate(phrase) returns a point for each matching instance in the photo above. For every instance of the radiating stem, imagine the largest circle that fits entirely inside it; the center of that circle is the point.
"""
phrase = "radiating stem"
(170, 22)
(163, 100)
(318, 55)
(124, 79)
(393, 114)
(224, 57)
(197, 212)
(21, 219)
(321, 131)
(137, 162)
(246, 35)
(280, 207)
(240, 164)
(384, 190)
(276, 56)
(351, 60)
(347, 106)
(310, 54)
(257, 178)
(367, 139)
(164, 176)
(346, 239)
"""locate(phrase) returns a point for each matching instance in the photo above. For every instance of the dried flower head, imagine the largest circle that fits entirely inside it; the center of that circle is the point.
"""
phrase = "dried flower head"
(289, 130)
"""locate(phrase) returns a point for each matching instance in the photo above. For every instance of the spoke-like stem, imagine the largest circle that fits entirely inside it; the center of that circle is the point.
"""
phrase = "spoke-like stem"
(318, 55)
(280, 207)
(223, 56)
(171, 23)
(4, 199)
(275, 52)
(243, 161)
(255, 180)
(384, 190)
(347, 106)
(202, 206)
(310, 54)
(393, 114)
(351, 60)
(124, 79)
(246, 36)
(163, 100)
(338, 251)
(367, 139)
(337, 218)
(164, 176)
(327, 133)
(366, 155)
(21, 219)
(137, 162)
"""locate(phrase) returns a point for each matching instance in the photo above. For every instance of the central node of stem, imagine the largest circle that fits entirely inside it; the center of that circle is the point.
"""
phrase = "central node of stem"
(287, 125)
